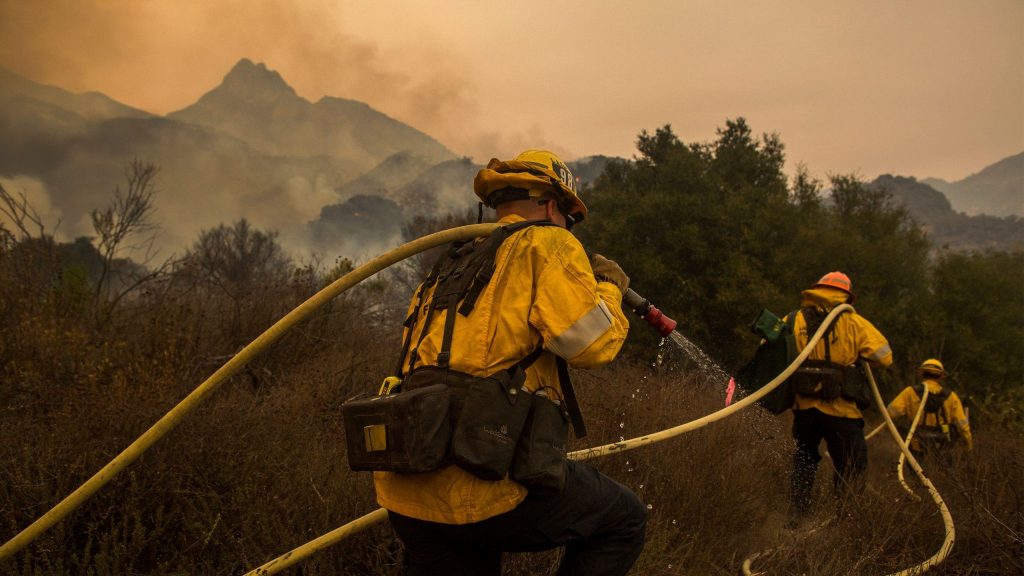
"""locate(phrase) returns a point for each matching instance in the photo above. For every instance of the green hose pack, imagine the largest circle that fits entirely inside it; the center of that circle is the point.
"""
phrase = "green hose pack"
(776, 352)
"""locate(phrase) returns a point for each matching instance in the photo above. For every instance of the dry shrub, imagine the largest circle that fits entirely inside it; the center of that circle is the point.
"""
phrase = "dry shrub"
(260, 468)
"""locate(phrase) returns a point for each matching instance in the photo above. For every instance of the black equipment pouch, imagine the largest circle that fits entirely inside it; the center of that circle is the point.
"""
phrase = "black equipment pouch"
(405, 432)
(825, 379)
(933, 435)
(489, 423)
(856, 387)
(818, 379)
(540, 458)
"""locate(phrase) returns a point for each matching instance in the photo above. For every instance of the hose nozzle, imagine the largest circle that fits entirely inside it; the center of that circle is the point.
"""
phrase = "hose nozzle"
(644, 309)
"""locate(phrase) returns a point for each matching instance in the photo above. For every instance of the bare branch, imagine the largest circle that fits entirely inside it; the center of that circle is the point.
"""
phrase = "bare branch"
(127, 218)
(21, 214)
(129, 214)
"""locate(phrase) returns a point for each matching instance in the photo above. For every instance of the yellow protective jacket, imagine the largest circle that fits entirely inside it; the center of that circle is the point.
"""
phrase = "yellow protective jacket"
(543, 290)
(852, 337)
(907, 403)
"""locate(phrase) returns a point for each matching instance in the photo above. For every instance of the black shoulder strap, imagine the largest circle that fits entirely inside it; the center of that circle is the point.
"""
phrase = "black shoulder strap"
(485, 269)
(918, 388)
(461, 274)
(571, 404)
(410, 321)
(935, 400)
(813, 317)
(935, 403)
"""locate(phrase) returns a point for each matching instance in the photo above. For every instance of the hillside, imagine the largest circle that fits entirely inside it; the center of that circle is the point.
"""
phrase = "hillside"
(88, 106)
(248, 148)
(947, 228)
(255, 105)
(997, 190)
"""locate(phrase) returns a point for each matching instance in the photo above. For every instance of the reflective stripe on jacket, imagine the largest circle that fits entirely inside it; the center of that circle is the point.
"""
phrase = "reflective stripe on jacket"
(543, 290)
(907, 403)
(851, 337)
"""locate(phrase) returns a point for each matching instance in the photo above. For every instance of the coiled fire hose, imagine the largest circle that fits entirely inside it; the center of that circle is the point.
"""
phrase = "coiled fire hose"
(947, 518)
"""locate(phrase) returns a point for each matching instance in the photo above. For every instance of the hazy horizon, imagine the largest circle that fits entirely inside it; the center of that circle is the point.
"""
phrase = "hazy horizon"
(922, 88)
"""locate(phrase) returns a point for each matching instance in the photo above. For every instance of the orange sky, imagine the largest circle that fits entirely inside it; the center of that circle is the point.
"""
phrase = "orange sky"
(914, 87)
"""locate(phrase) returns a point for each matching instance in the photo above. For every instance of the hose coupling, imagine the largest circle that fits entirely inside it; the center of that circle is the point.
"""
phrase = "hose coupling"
(644, 309)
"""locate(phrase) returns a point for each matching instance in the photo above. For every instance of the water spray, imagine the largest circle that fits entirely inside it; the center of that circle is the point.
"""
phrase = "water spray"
(644, 309)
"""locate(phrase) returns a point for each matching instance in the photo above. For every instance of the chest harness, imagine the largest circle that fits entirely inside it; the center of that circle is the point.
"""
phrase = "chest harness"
(937, 432)
(458, 277)
(826, 379)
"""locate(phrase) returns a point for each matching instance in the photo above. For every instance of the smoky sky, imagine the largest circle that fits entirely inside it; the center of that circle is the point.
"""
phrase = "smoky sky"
(922, 87)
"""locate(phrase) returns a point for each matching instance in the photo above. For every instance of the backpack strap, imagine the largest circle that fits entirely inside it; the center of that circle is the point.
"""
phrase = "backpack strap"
(463, 281)
(791, 321)
(935, 403)
(813, 317)
(484, 269)
(571, 404)
(410, 321)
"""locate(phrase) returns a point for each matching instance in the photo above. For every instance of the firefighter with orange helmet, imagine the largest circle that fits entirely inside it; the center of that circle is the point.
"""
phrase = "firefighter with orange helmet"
(547, 301)
(944, 420)
(830, 391)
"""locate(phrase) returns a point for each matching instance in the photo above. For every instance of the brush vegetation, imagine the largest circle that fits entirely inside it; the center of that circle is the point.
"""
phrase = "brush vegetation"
(96, 347)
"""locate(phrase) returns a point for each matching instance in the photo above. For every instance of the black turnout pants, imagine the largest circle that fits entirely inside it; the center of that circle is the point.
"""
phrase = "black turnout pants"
(846, 445)
(599, 521)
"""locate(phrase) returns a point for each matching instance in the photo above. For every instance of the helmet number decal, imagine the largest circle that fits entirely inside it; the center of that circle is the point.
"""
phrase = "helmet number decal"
(564, 174)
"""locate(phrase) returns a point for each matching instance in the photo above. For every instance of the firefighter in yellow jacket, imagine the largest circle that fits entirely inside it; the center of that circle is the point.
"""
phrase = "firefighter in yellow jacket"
(944, 419)
(545, 296)
(830, 391)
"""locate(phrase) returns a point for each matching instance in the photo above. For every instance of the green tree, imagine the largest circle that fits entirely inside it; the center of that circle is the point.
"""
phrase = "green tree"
(862, 232)
(975, 324)
(713, 232)
(693, 226)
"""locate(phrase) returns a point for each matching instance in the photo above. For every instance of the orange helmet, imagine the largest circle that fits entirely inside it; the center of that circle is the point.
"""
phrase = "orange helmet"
(837, 280)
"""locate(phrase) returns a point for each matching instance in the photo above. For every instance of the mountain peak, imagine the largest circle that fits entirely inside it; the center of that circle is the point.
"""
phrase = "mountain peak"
(253, 80)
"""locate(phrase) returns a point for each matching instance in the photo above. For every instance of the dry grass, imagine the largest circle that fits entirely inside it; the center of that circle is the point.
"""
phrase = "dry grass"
(260, 468)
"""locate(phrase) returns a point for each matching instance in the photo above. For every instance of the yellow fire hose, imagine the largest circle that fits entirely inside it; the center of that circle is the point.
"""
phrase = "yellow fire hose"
(314, 546)
(232, 367)
(947, 518)
(910, 434)
(588, 453)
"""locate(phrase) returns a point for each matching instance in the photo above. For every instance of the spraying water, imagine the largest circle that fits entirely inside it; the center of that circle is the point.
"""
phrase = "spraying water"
(713, 376)
(712, 372)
